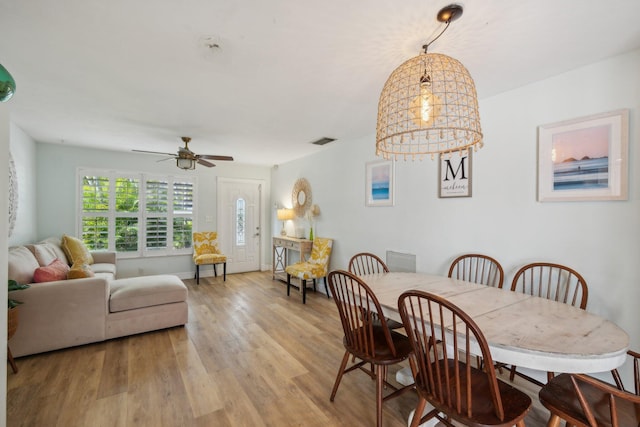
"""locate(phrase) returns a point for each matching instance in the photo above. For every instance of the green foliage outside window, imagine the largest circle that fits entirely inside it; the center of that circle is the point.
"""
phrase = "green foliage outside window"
(96, 199)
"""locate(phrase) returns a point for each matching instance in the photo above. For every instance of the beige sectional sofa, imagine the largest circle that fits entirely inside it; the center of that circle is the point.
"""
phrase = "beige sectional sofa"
(65, 313)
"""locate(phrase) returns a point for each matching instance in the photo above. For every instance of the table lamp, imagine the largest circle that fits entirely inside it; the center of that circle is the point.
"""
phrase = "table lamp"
(284, 215)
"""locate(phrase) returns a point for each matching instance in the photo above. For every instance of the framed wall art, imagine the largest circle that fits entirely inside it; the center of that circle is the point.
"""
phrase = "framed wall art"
(454, 172)
(584, 158)
(379, 183)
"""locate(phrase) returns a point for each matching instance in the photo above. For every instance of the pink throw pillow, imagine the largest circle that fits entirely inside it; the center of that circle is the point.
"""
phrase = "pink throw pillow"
(56, 270)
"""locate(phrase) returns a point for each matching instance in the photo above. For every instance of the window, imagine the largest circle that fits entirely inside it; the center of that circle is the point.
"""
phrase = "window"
(136, 214)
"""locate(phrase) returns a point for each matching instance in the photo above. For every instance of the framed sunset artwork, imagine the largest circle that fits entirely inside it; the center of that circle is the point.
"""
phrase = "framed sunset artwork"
(584, 159)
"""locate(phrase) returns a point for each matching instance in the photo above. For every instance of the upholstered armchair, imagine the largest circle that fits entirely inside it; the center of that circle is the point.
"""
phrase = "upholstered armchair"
(315, 268)
(206, 251)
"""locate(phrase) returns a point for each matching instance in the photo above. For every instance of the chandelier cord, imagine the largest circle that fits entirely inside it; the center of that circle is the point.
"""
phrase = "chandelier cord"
(426, 46)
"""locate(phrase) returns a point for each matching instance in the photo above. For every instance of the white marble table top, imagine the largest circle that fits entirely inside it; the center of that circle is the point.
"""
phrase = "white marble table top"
(523, 330)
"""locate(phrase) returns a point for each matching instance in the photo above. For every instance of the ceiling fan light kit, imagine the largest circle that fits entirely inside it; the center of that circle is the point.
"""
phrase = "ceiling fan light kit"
(186, 164)
(429, 105)
(187, 159)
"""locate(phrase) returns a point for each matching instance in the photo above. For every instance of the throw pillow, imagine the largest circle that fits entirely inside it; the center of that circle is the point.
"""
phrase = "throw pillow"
(80, 270)
(76, 250)
(44, 253)
(22, 264)
(56, 270)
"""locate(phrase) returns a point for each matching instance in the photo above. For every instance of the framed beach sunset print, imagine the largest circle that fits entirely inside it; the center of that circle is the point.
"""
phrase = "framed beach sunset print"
(584, 159)
(379, 183)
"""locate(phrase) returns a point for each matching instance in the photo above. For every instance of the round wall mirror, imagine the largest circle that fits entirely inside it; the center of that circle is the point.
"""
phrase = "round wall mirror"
(301, 197)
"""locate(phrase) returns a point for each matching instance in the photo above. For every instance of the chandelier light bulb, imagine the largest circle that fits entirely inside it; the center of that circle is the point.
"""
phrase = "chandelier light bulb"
(426, 96)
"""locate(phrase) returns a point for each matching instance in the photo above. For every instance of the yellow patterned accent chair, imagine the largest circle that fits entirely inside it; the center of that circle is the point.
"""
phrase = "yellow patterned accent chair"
(206, 251)
(315, 268)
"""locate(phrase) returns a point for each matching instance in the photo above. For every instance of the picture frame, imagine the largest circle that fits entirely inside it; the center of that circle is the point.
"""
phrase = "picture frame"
(454, 174)
(379, 187)
(584, 159)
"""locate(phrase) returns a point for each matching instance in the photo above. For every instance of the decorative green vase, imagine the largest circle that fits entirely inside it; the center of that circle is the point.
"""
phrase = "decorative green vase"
(7, 85)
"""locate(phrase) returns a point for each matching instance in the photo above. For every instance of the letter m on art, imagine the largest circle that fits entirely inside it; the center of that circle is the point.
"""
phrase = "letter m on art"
(454, 173)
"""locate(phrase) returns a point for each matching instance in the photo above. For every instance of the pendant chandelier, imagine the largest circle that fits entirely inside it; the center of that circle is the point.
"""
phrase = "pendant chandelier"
(428, 105)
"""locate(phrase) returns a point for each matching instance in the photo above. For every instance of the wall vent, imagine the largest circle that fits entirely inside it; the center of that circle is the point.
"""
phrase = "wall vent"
(401, 262)
(323, 141)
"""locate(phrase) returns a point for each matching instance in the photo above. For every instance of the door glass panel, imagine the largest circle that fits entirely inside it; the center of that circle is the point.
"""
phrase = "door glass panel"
(240, 222)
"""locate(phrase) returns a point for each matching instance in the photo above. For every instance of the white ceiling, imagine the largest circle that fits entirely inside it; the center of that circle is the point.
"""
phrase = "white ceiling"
(136, 74)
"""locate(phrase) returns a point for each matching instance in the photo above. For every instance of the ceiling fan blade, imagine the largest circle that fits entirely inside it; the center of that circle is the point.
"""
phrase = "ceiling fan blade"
(168, 158)
(154, 152)
(213, 157)
(205, 163)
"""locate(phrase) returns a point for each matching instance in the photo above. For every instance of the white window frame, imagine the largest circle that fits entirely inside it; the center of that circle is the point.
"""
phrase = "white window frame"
(141, 215)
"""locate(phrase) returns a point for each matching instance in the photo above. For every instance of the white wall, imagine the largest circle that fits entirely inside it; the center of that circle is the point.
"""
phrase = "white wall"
(601, 240)
(56, 196)
(23, 150)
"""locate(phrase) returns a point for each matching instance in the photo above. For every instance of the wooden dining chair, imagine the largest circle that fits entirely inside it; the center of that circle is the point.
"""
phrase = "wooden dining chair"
(444, 375)
(370, 342)
(585, 401)
(635, 357)
(554, 282)
(367, 263)
(477, 268)
(481, 269)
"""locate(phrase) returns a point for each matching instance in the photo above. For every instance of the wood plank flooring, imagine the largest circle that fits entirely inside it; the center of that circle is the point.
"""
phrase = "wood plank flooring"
(249, 356)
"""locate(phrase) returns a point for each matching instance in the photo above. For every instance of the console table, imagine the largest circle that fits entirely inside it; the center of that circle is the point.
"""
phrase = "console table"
(282, 245)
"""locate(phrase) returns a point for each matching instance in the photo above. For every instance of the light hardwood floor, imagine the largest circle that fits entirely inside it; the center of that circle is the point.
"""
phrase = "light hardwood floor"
(249, 356)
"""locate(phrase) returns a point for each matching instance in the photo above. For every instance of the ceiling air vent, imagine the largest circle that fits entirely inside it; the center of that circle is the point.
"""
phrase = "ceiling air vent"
(323, 141)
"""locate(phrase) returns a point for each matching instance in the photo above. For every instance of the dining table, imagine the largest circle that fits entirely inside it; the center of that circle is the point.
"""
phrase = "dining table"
(521, 329)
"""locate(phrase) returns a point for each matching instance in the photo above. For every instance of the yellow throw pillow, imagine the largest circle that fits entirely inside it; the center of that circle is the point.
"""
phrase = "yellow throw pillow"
(80, 270)
(75, 250)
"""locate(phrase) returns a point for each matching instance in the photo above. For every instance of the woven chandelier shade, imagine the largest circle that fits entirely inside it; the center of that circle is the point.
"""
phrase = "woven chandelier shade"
(452, 122)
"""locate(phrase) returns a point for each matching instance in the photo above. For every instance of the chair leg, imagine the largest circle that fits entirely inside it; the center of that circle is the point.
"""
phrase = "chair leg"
(417, 414)
(304, 291)
(11, 361)
(314, 284)
(343, 365)
(215, 271)
(224, 272)
(380, 374)
(197, 274)
(326, 289)
(512, 373)
(554, 421)
(288, 284)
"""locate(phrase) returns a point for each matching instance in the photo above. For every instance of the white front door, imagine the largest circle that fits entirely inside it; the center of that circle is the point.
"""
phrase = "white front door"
(239, 230)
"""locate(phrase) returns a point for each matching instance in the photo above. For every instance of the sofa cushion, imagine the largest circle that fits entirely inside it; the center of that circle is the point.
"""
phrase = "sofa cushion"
(145, 291)
(76, 250)
(45, 253)
(54, 243)
(104, 269)
(22, 264)
(56, 270)
(80, 270)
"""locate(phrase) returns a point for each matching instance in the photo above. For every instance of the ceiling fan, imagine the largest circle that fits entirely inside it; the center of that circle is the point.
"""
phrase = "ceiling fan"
(187, 159)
